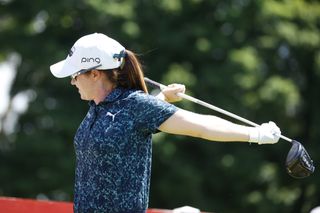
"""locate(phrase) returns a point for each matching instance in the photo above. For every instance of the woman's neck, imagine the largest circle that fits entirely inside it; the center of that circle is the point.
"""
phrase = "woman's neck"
(103, 92)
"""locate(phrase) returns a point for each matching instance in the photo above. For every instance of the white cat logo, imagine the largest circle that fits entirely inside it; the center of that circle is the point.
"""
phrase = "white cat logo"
(112, 115)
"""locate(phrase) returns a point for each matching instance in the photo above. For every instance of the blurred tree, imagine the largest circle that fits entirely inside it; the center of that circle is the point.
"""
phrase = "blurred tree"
(259, 59)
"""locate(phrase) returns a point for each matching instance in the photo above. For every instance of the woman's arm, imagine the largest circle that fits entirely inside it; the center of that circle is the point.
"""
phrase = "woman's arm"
(217, 129)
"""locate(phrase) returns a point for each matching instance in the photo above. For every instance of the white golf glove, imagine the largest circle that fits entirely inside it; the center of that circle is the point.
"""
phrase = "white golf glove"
(267, 133)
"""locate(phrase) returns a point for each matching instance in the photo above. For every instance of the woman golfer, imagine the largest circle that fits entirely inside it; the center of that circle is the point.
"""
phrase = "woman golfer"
(113, 142)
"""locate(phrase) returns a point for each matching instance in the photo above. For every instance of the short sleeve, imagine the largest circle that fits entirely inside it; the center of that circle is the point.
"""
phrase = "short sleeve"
(151, 112)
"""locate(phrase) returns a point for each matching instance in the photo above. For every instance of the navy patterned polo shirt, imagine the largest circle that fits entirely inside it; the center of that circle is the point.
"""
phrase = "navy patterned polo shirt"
(113, 152)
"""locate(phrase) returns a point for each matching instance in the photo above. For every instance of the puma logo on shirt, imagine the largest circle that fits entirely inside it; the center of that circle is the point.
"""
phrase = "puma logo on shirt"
(113, 115)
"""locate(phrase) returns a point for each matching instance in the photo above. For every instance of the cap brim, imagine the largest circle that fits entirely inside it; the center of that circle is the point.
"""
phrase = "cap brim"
(62, 69)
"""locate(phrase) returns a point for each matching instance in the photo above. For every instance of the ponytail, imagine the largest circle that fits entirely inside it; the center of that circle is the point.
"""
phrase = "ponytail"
(129, 74)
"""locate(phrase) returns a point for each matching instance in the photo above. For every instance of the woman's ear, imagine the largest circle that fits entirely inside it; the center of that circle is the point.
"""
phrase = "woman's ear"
(96, 74)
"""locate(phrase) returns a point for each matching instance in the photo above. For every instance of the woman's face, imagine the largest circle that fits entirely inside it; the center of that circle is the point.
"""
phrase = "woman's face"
(84, 83)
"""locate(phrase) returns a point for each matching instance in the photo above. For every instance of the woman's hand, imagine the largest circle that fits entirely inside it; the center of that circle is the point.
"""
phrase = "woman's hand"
(169, 93)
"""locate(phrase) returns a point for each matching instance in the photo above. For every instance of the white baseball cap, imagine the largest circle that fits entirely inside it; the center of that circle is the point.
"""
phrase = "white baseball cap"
(88, 52)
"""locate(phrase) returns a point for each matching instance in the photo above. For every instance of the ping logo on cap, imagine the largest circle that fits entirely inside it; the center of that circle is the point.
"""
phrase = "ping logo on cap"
(86, 60)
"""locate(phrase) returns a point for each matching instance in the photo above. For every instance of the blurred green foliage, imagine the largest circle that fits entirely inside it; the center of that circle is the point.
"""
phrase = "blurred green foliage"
(257, 58)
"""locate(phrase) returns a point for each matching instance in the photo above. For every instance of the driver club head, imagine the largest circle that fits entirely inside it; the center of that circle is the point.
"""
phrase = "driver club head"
(299, 163)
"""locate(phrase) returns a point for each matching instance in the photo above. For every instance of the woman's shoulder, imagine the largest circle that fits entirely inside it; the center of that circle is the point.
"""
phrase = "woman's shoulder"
(141, 99)
(138, 95)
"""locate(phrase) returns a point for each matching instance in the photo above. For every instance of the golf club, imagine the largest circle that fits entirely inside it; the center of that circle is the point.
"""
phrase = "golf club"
(298, 163)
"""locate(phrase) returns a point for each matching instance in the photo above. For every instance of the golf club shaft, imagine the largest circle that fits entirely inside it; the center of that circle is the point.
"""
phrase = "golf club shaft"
(210, 106)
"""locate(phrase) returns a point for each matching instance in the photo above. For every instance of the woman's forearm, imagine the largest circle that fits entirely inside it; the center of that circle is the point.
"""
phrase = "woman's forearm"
(204, 126)
(217, 129)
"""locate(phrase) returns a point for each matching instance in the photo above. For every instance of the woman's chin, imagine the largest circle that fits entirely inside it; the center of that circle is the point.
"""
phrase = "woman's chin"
(84, 98)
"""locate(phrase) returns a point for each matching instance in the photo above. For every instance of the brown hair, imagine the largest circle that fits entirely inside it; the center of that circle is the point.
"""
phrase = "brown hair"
(130, 75)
